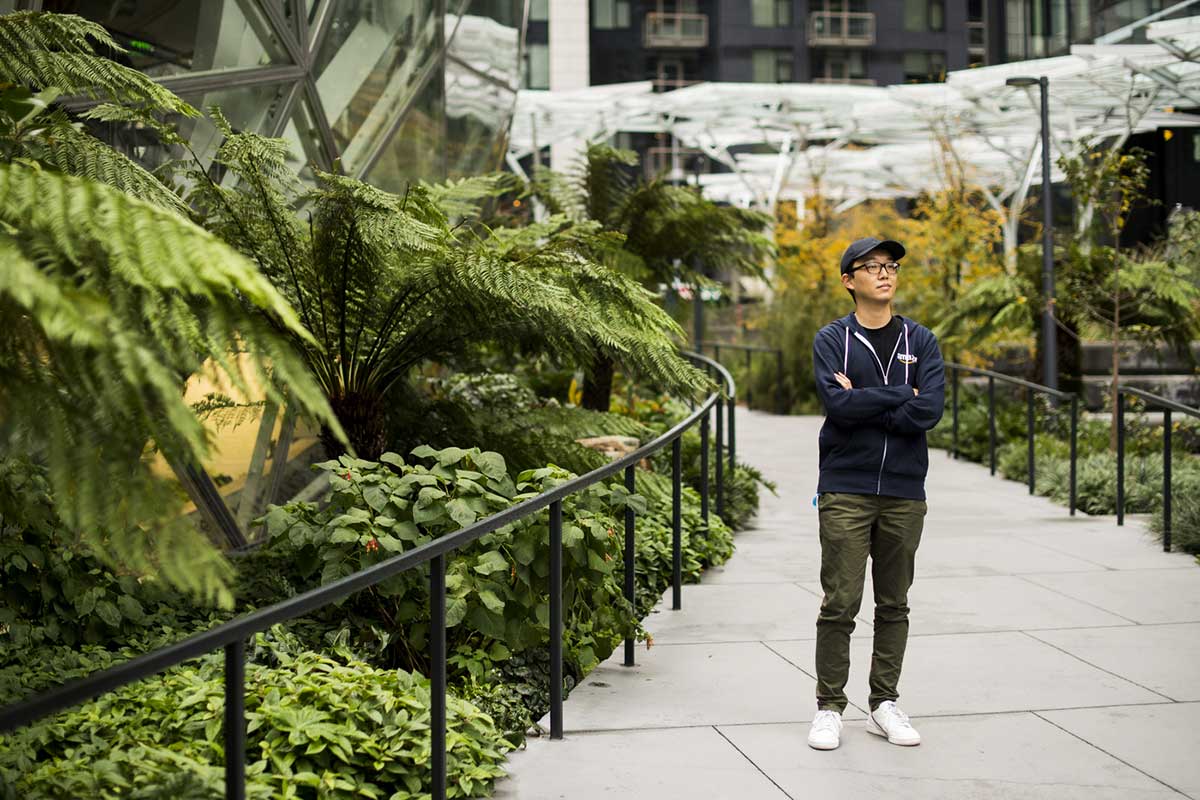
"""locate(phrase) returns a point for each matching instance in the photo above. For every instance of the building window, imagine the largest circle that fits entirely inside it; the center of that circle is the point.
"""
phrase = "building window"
(668, 74)
(539, 11)
(609, 15)
(771, 13)
(772, 66)
(839, 66)
(924, 15)
(537, 66)
(924, 67)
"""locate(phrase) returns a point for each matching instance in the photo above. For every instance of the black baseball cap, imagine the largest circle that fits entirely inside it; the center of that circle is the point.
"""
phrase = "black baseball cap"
(861, 247)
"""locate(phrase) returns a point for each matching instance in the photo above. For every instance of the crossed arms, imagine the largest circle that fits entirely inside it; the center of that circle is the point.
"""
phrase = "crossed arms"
(906, 409)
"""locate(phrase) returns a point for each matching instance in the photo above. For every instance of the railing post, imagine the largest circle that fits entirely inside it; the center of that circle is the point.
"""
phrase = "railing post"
(629, 558)
(1119, 399)
(954, 407)
(720, 455)
(677, 524)
(235, 720)
(1167, 480)
(437, 678)
(1074, 447)
(732, 432)
(749, 383)
(1029, 429)
(556, 622)
(717, 353)
(704, 445)
(992, 423)
(779, 409)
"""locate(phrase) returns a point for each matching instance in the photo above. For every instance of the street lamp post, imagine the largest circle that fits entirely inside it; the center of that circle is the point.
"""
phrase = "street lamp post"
(1049, 329)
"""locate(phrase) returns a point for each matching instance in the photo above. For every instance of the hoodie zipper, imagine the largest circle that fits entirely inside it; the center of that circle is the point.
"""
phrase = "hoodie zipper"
(883, 372)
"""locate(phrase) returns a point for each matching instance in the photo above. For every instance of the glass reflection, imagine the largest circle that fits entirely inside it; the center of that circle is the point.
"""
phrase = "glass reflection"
(374, 54)
(415, 152)
(172, 37)
(252, 108)
(483, 73)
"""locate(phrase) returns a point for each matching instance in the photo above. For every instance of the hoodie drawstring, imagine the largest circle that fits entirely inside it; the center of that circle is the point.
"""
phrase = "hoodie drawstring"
(846, 354)
(907, 354)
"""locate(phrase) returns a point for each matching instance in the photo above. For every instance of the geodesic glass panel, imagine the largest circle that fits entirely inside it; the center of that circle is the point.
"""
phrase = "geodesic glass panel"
(374, 54)
(252, 108)
(482, 77)
(174, 37)
(416, 151)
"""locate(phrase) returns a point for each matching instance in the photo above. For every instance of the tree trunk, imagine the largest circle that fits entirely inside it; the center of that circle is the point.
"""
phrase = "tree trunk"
(364, 419)
(598, 383)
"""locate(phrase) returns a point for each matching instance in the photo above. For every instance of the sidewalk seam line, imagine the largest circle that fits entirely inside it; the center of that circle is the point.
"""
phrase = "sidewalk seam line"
(749, 759)
(1076, 599)
(1083, 660)
(1110, 755)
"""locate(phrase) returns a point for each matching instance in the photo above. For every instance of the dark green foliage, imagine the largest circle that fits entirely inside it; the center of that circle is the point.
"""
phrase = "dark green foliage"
(53, 589)
(108, 304)
(497, 586)
(317, 727)
(384, 283)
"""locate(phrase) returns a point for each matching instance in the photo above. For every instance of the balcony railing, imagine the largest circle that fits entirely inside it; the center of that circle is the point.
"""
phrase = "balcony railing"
(669, 84)
(676, 29)
(854, 81)
(841, 28)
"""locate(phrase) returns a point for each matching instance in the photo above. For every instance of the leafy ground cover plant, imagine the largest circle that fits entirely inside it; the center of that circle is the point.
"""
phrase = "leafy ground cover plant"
(318, 726)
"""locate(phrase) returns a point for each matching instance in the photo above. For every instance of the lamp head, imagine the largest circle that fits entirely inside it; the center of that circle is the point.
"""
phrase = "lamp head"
(1021, 81)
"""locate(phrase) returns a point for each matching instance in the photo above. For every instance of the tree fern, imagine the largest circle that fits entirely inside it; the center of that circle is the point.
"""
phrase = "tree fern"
(656, 232)
(108, 303)
(65, 53)
(385, 282)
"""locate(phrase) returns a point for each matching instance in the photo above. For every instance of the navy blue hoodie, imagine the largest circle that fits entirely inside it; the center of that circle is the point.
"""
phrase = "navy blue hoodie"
(873, 439)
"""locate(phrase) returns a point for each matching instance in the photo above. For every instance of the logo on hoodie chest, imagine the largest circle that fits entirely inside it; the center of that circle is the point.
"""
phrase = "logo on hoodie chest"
(906, 358)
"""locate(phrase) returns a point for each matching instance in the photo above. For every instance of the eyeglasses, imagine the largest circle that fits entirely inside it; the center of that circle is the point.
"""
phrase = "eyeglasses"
(873, 267)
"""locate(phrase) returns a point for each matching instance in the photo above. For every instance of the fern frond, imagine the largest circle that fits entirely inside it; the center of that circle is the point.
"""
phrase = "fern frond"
(109, 304)
(465, 197)
(41, 49)
(75, 152)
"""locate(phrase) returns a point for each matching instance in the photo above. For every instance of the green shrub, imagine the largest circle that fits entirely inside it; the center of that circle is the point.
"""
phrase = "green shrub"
(497, 586)
(317, 727)
(1185, 512)
(55, 591)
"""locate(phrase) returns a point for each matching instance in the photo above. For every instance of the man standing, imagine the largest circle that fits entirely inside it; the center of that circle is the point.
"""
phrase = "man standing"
(881, 380)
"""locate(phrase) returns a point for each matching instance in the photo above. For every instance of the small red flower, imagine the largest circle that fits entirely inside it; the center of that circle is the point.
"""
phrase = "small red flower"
(347, 475)
(372, 545)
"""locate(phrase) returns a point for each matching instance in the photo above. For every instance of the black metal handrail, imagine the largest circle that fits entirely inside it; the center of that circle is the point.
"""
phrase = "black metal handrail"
(1030, 390)
(232, 635)
(749, 349)
(1167, 406)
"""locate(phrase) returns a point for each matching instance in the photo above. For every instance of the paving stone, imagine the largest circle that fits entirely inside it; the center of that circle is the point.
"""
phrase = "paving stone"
(690, 684)
(676, 764)
(1157, 595)
(981, 673)
(1160, 740)
(1164, 658)
(978, 757)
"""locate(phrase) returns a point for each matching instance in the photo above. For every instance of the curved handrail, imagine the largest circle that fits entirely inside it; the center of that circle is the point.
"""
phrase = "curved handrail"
(1168, 406)
(1030, 388)
(232, 635)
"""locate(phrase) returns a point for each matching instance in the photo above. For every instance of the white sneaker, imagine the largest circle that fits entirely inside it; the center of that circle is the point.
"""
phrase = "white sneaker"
(890, 722)
(826, 731)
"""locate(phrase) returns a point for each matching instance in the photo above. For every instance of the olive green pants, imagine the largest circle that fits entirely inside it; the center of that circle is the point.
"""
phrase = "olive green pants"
(853, 526)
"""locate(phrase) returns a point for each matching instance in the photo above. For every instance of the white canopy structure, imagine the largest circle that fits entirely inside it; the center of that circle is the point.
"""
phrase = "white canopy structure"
(853, 142)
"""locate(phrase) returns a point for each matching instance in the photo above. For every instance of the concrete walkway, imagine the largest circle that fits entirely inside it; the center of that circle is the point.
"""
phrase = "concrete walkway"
(1048, 657)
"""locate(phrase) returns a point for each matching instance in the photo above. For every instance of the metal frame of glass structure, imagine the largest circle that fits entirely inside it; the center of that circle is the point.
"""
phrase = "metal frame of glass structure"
(385, 90)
